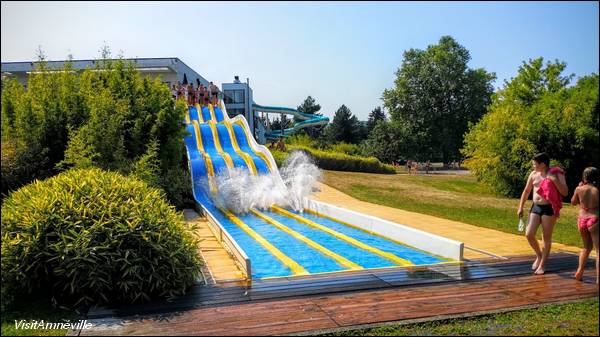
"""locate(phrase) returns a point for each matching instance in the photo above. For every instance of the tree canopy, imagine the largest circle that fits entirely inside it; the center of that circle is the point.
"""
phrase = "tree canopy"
(345, 127)
(436, 95)
(536, 112)
(310, 106)
(375, 116)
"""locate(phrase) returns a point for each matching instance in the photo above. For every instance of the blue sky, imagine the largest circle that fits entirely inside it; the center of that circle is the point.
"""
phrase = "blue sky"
(340, 53)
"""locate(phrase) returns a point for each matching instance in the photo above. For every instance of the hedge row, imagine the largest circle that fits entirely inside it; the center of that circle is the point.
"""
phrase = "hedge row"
(340, 161)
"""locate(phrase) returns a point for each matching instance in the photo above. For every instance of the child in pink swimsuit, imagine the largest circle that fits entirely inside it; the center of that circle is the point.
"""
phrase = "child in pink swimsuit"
(587, 196)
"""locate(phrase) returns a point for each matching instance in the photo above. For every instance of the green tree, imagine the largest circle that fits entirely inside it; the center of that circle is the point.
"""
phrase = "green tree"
(374, 117)
(345, 127)
(535, 112)
(105, 116)
(436, 95)
(388, 142)
(309, 106)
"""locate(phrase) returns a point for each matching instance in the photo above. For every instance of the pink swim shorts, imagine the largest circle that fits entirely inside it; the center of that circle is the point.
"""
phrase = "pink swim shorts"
(586, 222)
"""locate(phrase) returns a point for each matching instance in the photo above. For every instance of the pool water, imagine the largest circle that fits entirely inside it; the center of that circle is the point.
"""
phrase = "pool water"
(266, 265)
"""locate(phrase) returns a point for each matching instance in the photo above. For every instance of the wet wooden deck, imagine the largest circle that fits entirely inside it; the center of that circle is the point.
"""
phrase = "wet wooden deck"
(347, 300)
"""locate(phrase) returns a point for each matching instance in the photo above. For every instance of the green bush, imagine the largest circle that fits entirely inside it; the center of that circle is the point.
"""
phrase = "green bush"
(91, 236)
(343, 162)
(535, 112)
(346, 148)
(104, 117)
(301, 139)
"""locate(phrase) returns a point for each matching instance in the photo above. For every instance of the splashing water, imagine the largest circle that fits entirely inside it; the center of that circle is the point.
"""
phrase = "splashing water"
(239, 191)
(299, 175)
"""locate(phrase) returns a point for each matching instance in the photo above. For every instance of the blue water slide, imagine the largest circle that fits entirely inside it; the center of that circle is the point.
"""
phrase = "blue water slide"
(193, 114)
(224, 138)
(190, 143)
(208, 143)
(206, 114)
(263, 262)
(218, 114)
(306, 120)
(242, 140)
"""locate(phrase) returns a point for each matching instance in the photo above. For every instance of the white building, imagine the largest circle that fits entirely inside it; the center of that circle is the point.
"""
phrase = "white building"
(170, 69)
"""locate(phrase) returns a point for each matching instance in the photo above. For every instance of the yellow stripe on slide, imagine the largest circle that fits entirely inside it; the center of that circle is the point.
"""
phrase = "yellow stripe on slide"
(199, 109)
(225, 155)
(212, 113)
(296, 268)
(210, 170)
(187, 116)
(338, 258)
(246, 157)
(356, 227)
(258, 153)
(198, 136)
(344, 237)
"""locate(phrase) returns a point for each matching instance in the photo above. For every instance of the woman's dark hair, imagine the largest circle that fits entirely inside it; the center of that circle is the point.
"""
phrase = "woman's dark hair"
(590, 176)
(542, 158)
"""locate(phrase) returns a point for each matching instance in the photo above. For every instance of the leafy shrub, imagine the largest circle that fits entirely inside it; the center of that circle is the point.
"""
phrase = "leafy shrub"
(88, 235)
(346, 148)
(301, 139)
(535, 112)
(104, 117)
(343, 162)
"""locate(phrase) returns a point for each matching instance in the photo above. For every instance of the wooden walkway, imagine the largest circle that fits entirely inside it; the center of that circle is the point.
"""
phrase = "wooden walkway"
(219, 265)
(349, 300)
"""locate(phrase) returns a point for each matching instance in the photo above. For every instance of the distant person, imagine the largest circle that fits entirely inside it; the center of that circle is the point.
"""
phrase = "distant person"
(202, 92)
(180, 93)
(281, 145)
(236, 79)
(214, 93)
(408, 166)
(542, 211)
(184, 89)
(191, 94)
(427, 167)
(586, 195)
(415, 167)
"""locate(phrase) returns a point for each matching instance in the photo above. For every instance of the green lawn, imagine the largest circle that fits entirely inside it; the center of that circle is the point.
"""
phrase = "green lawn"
(36, 309)
(454, 197)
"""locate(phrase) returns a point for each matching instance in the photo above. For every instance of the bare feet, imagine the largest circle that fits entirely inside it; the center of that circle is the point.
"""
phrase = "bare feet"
(579, 275)
(536, 263)
(539, 271)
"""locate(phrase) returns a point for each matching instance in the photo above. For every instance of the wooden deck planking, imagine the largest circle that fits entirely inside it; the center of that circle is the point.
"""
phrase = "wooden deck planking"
(235, 292)
(333, 311)
(220, 264)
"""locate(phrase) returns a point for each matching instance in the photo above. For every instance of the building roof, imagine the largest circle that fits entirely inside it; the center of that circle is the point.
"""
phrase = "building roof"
(25, 66)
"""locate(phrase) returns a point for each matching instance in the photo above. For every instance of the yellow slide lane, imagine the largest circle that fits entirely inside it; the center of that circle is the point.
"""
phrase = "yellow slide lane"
(225, 155)
(296, 268)
(338, 258)
(246, 157)
(256, 152)
(344, 237)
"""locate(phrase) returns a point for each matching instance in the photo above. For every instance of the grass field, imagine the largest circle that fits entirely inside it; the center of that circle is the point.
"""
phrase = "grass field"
(572, 319)
(454, 197)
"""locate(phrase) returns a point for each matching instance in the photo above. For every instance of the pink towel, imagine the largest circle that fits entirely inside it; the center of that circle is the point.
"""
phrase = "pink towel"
(549, 191)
